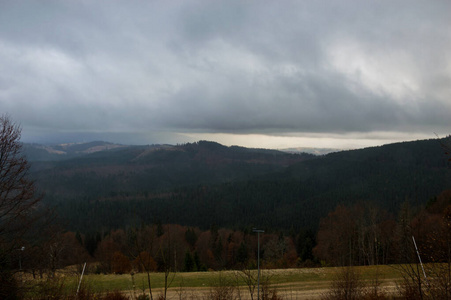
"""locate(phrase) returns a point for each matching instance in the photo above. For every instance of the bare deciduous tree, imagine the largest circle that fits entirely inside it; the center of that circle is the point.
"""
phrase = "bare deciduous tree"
(18, 197)
(142, 242)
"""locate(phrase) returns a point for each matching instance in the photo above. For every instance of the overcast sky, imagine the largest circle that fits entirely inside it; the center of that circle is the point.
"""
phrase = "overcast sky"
(272, 74)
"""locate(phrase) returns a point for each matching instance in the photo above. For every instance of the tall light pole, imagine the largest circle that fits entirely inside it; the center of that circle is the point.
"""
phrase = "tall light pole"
(20, 257)
(258, 231)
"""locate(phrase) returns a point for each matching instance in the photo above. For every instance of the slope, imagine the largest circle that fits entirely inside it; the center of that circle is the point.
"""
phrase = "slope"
(206, 183)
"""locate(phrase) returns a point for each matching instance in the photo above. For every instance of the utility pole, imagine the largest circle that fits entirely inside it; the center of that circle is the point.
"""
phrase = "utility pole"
(20, 257)
(258, 231)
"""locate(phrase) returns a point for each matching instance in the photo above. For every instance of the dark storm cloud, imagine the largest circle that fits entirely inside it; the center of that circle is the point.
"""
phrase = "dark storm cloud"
(161, 68)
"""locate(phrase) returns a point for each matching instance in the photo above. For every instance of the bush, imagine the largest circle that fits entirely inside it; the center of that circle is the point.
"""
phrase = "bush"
(142, 297)
(347, 285)
(120, 264)
(222, 288)
(51, 288)
(8, 286)
(114, 296)
(268, 293)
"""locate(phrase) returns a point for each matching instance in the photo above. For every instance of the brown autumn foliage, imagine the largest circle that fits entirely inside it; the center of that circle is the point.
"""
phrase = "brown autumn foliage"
(104, 254)
(144, 262)
(337, 237)
(120, 263)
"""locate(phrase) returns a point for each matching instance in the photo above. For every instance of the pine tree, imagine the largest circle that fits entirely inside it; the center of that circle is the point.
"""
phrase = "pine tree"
(189, 262)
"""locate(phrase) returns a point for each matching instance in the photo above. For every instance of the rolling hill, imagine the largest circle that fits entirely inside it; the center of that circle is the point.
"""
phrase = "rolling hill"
(206, 183)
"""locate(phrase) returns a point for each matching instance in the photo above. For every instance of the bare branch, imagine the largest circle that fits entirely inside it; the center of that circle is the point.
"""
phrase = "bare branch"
(18, 199)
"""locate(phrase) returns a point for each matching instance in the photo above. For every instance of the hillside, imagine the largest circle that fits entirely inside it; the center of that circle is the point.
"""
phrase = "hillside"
(205, 183)
(37, 152)
(149, 169)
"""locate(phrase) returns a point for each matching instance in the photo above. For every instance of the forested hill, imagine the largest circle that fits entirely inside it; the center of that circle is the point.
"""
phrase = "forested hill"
(37, 152)
(389, 174)
(103, 170)
(205, 183)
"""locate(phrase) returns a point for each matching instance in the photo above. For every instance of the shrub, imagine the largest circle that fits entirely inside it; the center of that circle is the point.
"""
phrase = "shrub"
(347, 285)
(222, 288)
(142, 297)
(114, 296)
(120, 264)
(8, 285)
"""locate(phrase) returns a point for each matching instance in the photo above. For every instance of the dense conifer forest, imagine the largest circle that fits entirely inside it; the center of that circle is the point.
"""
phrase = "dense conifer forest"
(204, 184)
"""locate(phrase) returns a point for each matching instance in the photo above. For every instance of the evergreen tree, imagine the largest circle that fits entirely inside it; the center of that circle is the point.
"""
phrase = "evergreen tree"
(189, 262)
(78, 237)
(305, 243)
(160, 230)
(91, 242)
(191, 237)
(241, 255)
(198, 266)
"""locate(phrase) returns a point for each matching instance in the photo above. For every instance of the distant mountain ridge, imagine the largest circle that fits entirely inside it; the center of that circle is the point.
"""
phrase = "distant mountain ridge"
(315, 151)
(154, 167)
(36, 152)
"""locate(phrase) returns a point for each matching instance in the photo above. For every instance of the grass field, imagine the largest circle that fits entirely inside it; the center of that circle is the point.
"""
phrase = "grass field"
(305, 283)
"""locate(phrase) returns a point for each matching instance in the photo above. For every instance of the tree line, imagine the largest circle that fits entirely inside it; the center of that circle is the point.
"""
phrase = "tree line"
(157, 247)
(360, 234)
(364, 234)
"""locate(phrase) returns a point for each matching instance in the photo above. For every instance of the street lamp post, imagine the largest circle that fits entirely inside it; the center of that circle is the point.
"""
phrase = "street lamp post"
(20, 257)
(258, 231)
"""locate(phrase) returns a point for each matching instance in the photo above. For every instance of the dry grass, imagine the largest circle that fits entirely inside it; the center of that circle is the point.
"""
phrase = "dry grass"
(291, 284)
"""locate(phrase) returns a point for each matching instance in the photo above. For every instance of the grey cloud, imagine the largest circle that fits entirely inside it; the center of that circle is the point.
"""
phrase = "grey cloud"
(226, 66)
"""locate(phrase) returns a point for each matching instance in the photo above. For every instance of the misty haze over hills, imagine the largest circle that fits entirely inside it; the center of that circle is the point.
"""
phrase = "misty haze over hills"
(316, 151)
